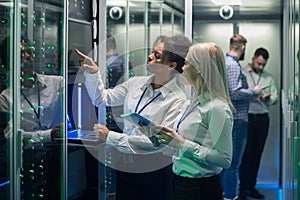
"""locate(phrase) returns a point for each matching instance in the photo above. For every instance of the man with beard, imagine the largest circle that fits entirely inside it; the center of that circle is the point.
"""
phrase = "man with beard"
(240, 96)
(258, 124)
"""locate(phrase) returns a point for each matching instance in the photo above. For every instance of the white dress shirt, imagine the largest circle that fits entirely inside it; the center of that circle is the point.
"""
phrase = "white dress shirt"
(163, 110)
(267, 83)
(36, 129)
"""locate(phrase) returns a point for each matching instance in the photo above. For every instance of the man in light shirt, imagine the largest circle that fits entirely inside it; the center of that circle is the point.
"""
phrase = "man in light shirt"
(258, 124)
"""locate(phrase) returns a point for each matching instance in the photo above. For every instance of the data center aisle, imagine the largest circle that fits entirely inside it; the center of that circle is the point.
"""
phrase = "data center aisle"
(271, 193)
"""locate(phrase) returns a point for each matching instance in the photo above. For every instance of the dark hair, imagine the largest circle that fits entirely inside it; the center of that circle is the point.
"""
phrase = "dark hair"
(261, 52)
(159, 39)
(176, 49)
(236, 41)
(110, 42)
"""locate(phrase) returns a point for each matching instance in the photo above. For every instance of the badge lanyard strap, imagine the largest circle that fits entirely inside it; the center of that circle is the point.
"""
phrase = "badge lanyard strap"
(185, 114)
(36, 112)
(255, 84)
(139, 102)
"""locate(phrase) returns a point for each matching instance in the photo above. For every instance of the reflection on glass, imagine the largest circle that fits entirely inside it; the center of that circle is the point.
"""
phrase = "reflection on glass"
(5, 116)
(178, 24)
(41, 95)
(39, 101)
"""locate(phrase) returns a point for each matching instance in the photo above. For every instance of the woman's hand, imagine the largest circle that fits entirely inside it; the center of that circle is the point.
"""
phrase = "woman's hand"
(101, 131)
(150, 132)
(87, 63)
(168, 136)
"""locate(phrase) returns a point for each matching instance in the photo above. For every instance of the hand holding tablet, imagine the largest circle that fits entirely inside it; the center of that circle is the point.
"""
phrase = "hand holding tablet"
(137, 119)
(145, 125)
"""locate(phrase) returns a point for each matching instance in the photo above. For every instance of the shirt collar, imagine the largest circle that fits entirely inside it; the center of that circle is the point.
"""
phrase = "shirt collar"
(233, 57)
(110, 55)
(170, 86)
(41, 80)
(203, 98)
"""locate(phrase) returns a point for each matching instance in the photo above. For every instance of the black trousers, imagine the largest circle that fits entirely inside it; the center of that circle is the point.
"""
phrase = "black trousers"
(154, 185)
(208, 188)
(257, 134)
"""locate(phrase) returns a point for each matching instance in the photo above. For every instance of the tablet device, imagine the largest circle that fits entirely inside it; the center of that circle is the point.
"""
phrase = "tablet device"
(141, 121)
(137, 119)
(265, 87)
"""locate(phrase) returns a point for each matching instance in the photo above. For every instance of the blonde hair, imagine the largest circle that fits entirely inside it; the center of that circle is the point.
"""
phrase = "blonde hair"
(208, 60)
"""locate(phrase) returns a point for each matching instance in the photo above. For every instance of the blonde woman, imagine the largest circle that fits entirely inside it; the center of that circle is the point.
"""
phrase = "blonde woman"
(202, 133)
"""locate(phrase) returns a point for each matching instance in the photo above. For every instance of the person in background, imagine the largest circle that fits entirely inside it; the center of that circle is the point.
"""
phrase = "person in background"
(40, 100)
(114, 76)
(258, 124)
(202, 133)
(240, 96)
(114, 63)
(158, 97)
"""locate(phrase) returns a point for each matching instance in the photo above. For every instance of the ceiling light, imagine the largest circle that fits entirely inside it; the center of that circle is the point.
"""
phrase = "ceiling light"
(227, 2)
(116, 13)
(226, 12)
(120, 3)
(11, 4)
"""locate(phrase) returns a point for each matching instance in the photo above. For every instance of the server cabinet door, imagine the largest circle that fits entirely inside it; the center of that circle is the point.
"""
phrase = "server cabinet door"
(32, 100)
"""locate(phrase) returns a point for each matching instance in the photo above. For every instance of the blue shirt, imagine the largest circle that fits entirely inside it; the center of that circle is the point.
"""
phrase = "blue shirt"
(239, 92)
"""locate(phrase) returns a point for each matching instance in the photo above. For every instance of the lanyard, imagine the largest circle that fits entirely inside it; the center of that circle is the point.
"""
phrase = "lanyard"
(255, 84)
(137, 106)
(36, 112)
(185, 114)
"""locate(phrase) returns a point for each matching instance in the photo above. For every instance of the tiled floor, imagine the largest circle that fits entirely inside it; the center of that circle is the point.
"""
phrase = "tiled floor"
(271, 193)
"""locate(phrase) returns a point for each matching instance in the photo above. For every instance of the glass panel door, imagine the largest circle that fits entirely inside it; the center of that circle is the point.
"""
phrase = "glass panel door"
(297, 100)
(6, 27)
(32, 100)
(41, 98)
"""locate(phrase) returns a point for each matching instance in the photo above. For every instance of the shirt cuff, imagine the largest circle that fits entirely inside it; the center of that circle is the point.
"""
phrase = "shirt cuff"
(37, 137)
(192, 148)
(46, 136)
(114, 138)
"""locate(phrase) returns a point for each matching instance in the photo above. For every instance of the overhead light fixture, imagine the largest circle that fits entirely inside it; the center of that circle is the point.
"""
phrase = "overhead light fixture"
(226, 12)
(119, 3)
(227, 2)
(11, 4)
(116, 13)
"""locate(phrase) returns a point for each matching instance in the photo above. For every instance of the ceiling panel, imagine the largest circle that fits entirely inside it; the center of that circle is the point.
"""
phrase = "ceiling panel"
(259, 8)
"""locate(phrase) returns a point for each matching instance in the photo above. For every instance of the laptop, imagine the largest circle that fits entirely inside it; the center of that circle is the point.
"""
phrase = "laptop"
(79, 136)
